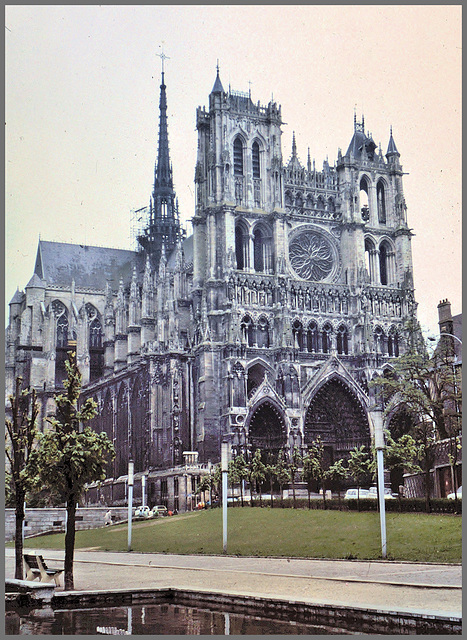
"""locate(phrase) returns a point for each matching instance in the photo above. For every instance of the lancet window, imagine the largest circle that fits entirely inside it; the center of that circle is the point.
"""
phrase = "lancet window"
(342, 340)
(238, 156)
(248, 331)
(380, 197)
(364, 205)
(312, 337)
(297, 332)
(242, 247)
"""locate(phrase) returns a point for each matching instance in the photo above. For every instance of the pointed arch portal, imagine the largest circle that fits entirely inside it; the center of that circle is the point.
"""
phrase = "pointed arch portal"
(337, 416)
(267, 430)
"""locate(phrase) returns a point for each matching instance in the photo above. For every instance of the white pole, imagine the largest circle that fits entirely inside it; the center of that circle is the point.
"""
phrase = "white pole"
(224, 465)
(143, 490)
(131, 467)
(379, 445)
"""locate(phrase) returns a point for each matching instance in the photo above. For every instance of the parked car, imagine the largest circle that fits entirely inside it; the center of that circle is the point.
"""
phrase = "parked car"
(160, 510)
(352, 494)
(373, 493)
(451, 496)
(143, 512)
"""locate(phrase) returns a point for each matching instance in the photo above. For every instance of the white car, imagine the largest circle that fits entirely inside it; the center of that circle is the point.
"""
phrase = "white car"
(373, 493)
(160, 510)
(352, 494)
(143, 512)
(451, 496)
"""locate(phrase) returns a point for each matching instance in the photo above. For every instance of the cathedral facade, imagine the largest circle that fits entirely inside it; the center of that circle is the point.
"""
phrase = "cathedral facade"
(263, 328)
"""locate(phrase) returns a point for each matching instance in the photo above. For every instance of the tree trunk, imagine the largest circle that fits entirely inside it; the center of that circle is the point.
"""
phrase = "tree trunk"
(19, 517)
(70, 542)
(293, 489)
(260, 494)
(241, 491)
(281, 488)
(309, 496)
(324, 496)
(272, 498)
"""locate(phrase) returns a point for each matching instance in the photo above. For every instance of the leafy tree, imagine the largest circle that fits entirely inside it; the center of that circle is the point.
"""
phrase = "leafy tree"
(295, 461)
(258, 472)
(205, 484)
(308, 475)
(427, 387)
(336, 473)
(282, 472)
(20, 435)
(317, 464)
(67, 458)
(359, 465)
(238, 472)
(401, 454)
(271, 474)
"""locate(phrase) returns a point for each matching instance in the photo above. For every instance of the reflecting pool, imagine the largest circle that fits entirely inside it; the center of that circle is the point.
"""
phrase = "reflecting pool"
(152, 619)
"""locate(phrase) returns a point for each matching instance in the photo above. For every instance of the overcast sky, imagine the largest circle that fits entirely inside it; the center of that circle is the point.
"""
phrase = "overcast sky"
(82, 92)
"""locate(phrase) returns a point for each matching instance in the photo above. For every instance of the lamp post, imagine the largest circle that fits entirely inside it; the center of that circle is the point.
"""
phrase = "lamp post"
(379, 446)
(143, 490)
(224, 466)
(131, 467)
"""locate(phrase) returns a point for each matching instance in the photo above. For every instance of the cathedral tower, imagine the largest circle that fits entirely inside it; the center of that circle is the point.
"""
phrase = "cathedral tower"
(163, 224)
(302, 282)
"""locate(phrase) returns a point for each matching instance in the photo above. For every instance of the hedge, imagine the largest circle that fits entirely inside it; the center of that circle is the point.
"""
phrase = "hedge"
(403, 505)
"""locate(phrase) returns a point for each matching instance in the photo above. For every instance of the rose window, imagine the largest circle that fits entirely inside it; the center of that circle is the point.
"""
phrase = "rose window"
(311, 256)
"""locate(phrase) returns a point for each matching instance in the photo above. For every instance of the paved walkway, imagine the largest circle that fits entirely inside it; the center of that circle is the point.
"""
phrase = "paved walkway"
(389, 586)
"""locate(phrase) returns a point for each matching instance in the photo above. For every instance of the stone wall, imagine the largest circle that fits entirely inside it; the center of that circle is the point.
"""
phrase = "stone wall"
(53, 519)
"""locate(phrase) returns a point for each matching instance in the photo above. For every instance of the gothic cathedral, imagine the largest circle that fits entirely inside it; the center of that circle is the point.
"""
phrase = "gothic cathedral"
(263, 328)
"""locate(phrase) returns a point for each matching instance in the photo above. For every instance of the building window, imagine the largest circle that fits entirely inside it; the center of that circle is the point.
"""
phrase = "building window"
(381, 202)
(312, 338)
(383, 264)
(241, 247)
(364, 206)
(62, 331)
(393, 345)
(342, 341)
(255, 160)
(262, 333)
(238, 157)
(248, 330)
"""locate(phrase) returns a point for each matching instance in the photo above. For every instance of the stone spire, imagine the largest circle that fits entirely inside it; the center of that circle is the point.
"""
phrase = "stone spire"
(392, 149)
(164, 225)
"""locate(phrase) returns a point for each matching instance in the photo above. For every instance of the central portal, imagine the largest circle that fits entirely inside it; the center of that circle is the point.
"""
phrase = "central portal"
(267, 430)
(336, 415)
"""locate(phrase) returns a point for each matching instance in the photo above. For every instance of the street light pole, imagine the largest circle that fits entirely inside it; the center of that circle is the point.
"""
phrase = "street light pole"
(224, 466)
(379, 446)
(131, 467)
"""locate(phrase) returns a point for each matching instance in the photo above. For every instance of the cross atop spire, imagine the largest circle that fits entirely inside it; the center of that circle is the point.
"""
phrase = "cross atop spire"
(162, 56)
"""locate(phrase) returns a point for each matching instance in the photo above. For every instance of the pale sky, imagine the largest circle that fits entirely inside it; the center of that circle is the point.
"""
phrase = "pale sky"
(82, 94)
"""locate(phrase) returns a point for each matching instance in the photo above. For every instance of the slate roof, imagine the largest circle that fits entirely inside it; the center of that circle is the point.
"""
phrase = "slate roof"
(59, 263)
(18, 297)
(187, 245)
(392, 149)
(356, 144)
(217, 85)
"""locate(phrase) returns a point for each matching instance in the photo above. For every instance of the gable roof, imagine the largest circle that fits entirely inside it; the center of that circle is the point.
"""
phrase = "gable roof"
(59, 263)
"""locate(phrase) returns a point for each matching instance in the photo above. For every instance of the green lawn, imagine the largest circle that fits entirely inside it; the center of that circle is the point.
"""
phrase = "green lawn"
(282, 532)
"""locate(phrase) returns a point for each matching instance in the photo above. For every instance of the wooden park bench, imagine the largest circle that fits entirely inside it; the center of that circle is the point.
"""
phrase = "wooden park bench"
(37, 568)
